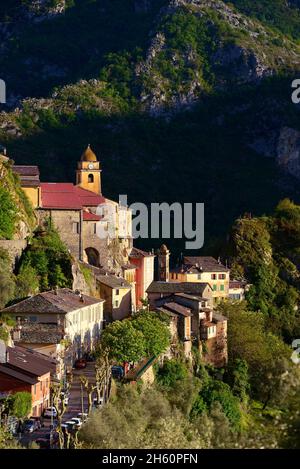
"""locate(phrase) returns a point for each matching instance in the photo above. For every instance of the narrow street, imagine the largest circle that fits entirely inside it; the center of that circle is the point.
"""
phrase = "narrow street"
(75, 405)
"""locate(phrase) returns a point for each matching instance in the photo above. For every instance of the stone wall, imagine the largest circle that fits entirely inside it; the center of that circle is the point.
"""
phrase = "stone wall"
(69, 225)
(14, 248)
(215, 349)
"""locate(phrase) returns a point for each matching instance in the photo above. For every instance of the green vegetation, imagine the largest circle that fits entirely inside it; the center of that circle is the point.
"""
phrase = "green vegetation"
(124, 342)
(187, 408)
(7, 280)
(20, 404)
(274, 13)
(8, 214)
(266, 251)
(7, 441)
(144, 335)
(15, 208)
(45, 264)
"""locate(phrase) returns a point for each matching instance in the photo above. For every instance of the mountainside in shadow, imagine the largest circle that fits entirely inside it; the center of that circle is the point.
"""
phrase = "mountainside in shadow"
(182, 100)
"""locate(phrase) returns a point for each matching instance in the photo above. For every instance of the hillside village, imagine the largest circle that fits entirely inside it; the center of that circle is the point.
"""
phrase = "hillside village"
(57, 329)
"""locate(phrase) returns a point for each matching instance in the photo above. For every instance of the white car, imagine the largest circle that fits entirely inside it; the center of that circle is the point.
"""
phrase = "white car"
(70, 424)
(98, 404)
(65, 399)
(82, 416)
(77, 422)
(50, 412)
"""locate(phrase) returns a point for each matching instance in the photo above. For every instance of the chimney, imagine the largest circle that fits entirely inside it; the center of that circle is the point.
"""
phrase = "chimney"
(3, 352)
(81, 298)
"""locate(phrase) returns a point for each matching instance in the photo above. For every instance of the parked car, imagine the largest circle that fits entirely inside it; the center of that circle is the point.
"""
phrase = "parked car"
(83, 416)
(97, 404)
(65, 398)
(117, 372)
(64, 427)
(30, 425)
(80, 364)
(77, 422)
(50, 412)
(70, 424)
(43, 443)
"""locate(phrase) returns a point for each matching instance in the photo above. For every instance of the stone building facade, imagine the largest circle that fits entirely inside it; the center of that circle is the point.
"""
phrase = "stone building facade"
(62, 324)
(96, 230)
(193, 302)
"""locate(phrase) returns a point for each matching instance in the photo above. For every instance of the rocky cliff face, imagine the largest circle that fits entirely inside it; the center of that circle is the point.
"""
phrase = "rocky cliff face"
(288, 151)
(25, 219)
(239, 50)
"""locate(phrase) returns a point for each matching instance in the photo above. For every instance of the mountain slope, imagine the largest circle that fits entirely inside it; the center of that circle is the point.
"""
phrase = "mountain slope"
(132, 70)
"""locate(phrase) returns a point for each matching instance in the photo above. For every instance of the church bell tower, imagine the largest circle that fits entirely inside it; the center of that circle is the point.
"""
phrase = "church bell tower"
(88, 174)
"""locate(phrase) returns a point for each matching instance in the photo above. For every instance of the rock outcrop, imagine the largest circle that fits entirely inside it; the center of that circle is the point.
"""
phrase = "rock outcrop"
(288, 151)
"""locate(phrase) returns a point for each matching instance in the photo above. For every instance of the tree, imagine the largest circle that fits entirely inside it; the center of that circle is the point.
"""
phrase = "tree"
(238, 378)
(90, 389)
(124, 342)
(21, 403)
(27, 281)
(268, 358)
(171, 372)
(7, 441)
(155, 332)
(217, 391)
(102, 373)
(7, 282)
(8, 214)
(58, 401)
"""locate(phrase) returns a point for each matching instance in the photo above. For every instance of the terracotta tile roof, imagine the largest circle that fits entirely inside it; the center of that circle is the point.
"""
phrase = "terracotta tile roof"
(206, 264)
(113, 282)
(178, 309)
(193, 288)
(191, 297)
(138, 253)
(88, 198)
(68, 196)
(18, 374)
(88, 216)
(29, 175)
(129, 267)
(19, 358)
(237, 284)
(26, 170)
(59, 196)
(41, 333)
(60, 301)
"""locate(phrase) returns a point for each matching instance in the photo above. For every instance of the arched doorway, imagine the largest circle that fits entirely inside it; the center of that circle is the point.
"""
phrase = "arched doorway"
(93, 257)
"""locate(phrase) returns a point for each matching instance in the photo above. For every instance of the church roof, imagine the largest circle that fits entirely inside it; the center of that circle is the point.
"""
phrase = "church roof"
(66, 196)
(88, 154)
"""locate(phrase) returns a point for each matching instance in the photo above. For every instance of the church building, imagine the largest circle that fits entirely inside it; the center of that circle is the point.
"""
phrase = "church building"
(95, 229)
